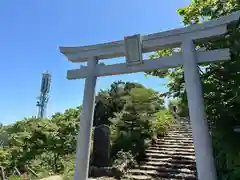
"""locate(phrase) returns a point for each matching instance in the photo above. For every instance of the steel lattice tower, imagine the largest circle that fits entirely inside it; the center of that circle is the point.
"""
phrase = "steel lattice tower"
(44, 95)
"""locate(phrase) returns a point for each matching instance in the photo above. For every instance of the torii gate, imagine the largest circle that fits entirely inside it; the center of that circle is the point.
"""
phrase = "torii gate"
(132, 47)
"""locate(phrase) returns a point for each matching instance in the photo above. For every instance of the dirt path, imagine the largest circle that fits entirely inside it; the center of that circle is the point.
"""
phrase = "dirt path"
(53, 178)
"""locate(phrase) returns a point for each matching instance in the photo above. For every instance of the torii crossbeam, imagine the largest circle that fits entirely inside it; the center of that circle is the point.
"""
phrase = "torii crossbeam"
(133, 47)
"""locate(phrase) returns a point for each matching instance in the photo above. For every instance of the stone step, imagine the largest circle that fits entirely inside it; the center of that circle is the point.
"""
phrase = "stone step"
(174, 134)
(179, 135)
(171, 149)
(182, 146)
(168, 165)
(171, 160)
(182, 143)
(187, 137)
(180, 131)
(168, 169)
(176, 138)
(144, 177)
(140, 177)
(186, 129)
(182, 122)
(181, 125)
(156, 174)
(174, 141)
(180, 153)
(186, 126)
(170, 138)
(172, 156)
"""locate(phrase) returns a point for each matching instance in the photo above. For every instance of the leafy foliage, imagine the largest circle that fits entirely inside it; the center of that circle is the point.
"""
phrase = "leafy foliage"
(124, 160)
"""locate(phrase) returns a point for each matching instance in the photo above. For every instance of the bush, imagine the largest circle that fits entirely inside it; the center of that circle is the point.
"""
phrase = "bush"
(161, 124)
(133, 142)
(123, 161)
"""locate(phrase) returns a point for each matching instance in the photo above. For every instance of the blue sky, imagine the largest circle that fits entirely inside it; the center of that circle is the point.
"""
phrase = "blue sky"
(32, 31)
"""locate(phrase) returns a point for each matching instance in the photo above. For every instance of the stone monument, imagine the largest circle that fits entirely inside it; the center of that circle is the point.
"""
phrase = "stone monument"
(101, 146)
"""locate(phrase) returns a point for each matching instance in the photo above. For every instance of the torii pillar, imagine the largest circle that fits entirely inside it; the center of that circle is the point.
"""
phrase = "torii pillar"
(201, 137)
(86, 124)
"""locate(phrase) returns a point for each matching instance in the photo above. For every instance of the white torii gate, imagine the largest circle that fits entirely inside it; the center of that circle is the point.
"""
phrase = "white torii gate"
(133, 47)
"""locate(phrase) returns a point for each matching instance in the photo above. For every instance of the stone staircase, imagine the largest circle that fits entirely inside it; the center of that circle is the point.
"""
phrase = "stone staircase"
(171, 158)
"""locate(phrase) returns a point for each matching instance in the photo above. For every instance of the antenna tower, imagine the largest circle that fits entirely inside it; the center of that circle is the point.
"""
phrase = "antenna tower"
(44, 95)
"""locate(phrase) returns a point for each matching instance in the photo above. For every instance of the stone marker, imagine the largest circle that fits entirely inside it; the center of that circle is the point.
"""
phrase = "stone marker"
(101, 146)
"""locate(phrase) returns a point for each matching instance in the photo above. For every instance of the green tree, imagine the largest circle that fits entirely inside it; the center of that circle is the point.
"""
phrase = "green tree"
(110, 101)
(49, 140)
(131, 127)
